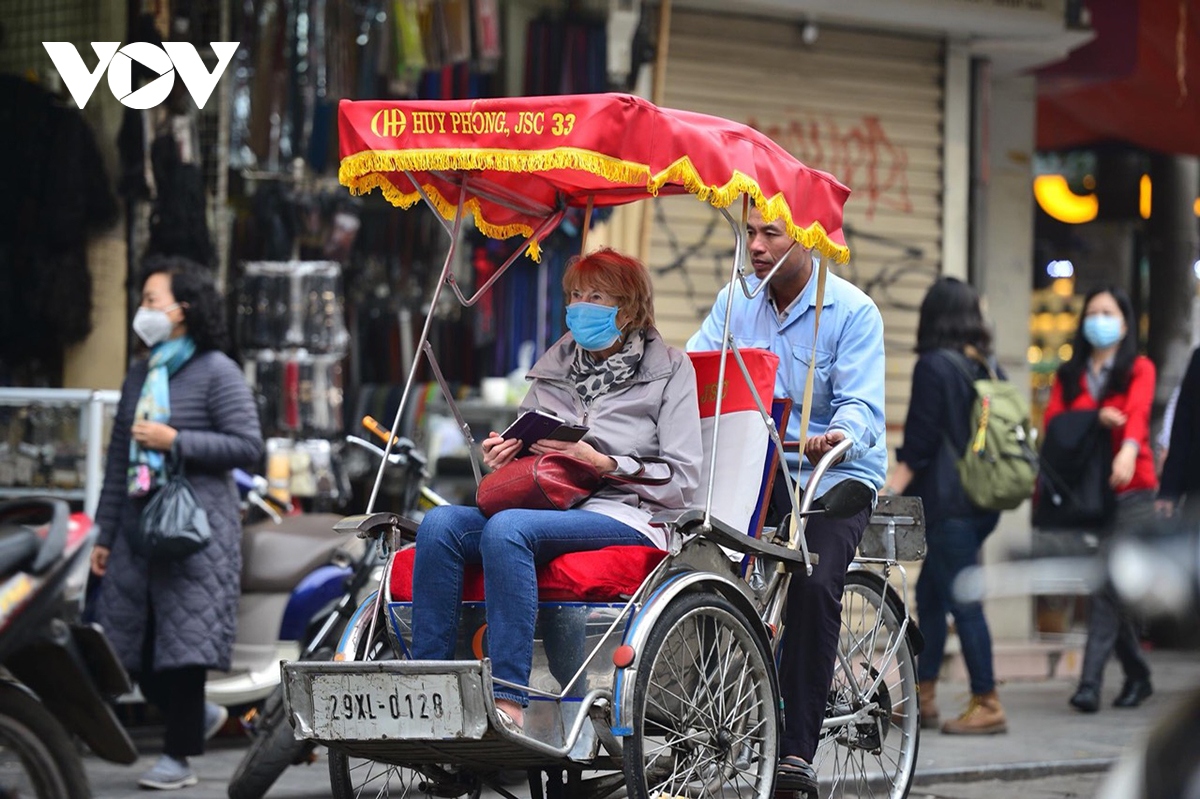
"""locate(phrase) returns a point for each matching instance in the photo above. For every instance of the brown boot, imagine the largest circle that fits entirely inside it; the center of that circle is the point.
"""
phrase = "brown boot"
(927, 696)
(984, 716)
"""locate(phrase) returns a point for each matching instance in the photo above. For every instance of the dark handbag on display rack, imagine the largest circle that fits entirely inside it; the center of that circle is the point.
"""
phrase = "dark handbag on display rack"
(552, 481)
(173, 524)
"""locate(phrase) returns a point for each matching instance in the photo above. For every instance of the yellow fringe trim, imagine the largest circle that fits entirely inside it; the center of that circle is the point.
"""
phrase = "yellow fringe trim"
(406, 200)
(363, 171)
(612, 169)
(813, 237)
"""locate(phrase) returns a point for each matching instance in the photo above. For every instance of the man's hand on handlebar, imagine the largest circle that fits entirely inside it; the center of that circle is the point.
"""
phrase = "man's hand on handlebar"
(816, 447)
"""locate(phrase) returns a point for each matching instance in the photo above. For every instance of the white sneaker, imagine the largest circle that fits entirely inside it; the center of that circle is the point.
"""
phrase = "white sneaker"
(168, 774)
(215, 717)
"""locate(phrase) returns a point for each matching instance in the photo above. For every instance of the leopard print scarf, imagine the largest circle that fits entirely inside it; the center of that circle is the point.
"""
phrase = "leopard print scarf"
(593, 379)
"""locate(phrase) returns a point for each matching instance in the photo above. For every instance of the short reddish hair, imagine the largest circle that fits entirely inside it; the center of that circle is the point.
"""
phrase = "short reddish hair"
(623, 277)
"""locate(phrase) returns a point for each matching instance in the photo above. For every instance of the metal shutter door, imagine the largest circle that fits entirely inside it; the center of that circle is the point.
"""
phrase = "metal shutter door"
(866, 107)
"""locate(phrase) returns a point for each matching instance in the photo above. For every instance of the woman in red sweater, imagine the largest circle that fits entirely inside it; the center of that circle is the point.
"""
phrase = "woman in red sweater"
(1106, 373)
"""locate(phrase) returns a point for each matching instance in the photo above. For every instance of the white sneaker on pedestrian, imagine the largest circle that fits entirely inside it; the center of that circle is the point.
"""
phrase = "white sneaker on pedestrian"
(168, 774)
(215, 717)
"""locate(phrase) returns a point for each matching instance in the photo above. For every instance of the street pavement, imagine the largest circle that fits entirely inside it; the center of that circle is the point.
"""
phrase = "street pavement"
(1049, 751)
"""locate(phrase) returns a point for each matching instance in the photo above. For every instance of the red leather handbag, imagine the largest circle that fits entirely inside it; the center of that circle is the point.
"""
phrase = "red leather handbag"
(552, 481)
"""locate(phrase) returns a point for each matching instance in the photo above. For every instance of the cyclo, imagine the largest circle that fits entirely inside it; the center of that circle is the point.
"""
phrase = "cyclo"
(653, 672)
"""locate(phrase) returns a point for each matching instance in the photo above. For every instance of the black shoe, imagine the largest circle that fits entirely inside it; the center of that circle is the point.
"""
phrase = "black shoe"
(1133, 693)
(796, 775)
(1086, 699)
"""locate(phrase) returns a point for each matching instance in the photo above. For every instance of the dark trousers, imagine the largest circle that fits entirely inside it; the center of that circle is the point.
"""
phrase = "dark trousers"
(813, 616)
(179, 696)
(954, 546)
(1110, 627)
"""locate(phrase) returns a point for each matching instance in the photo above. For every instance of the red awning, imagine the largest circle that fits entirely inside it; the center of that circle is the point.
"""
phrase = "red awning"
(1137, 82)
(513, 161)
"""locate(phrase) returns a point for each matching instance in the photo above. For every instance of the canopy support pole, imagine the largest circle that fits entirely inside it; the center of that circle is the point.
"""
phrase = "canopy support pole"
(544, 228)
(798, 520)
(587, 223)
(739, 255)
(436, 368)
(412, 372)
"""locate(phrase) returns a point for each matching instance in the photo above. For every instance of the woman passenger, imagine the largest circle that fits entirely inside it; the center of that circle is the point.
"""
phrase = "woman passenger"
(613, 373)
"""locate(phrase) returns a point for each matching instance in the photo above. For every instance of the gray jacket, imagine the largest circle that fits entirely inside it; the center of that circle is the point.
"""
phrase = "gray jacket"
(656, 415)
(192, 602)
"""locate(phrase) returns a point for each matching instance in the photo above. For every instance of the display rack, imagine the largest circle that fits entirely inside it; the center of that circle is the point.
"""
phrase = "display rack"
(292, 332)
(45, 451)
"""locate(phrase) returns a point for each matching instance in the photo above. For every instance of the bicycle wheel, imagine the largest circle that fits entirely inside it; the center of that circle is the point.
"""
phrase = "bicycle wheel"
(871, 731)
(353, 777)
(706, 706)
(273, 746)
(37, 756)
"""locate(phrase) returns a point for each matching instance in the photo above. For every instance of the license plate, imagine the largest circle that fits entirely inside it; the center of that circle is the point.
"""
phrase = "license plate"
(368, 707)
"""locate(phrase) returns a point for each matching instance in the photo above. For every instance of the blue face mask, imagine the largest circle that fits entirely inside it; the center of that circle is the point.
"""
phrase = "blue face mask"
(593, 326)
(1102, 331)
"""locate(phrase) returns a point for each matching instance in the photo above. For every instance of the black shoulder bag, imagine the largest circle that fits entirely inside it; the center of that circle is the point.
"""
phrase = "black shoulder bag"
(174, 525)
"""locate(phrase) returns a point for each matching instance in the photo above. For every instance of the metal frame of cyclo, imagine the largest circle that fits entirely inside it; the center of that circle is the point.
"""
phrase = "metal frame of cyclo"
(551, 218)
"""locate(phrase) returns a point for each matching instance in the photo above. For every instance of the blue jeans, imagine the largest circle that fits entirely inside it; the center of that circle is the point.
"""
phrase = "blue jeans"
(953, 546)
(510, 545)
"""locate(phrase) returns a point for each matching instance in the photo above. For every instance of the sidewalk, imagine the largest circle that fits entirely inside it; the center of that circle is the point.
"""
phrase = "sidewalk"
(1045, 737)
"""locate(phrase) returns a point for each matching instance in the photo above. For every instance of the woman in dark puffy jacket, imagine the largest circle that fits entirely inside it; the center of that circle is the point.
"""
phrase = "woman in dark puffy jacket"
(172, 621)
(954, 346)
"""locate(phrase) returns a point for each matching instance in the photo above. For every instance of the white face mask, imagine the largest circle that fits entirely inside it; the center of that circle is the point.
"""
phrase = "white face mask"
(152, 325)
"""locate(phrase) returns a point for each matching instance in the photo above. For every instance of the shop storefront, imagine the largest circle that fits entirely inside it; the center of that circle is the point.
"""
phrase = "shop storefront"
(867, 107)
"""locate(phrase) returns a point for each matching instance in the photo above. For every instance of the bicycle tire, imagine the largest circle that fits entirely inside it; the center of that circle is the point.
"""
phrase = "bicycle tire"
(273, 747)
(46, 752)
(875, 756)
(695, 733)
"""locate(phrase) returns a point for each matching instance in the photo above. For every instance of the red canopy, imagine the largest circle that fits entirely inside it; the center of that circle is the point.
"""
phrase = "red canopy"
(1138, 81)
(525, 158)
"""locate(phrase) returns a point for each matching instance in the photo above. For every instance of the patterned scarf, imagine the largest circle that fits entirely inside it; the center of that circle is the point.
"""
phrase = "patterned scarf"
(147, 468)
(594, 378)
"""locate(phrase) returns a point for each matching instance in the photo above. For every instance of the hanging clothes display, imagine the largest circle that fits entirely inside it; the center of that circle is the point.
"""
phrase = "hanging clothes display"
(566, 55)
(178, 223)
(56, 194)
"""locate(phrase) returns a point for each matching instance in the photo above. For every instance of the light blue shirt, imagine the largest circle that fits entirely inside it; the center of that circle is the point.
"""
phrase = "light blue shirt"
(848, 388)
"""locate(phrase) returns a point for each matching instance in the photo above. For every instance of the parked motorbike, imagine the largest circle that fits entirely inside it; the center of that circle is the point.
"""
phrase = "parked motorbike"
(56, 673)
(273, 746)
(294, 567)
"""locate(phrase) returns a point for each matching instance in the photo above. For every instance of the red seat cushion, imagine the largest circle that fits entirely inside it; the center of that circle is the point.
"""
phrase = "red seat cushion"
(601, 574)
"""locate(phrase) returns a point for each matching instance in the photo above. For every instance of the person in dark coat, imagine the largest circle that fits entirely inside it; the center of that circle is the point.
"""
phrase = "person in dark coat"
(954, 349)
(1181, 470)
(172, 621)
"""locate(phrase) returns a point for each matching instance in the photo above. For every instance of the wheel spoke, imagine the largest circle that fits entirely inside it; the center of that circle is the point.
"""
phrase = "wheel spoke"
(708, 719)
(873, 752)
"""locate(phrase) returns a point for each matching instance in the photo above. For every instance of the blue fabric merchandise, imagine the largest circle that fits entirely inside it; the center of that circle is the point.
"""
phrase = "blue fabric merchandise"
(848, 387)
(147, 468)
(593, 326)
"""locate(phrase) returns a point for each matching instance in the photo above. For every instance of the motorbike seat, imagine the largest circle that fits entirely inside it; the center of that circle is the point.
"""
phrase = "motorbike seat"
(18, 547)
(276, 556)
